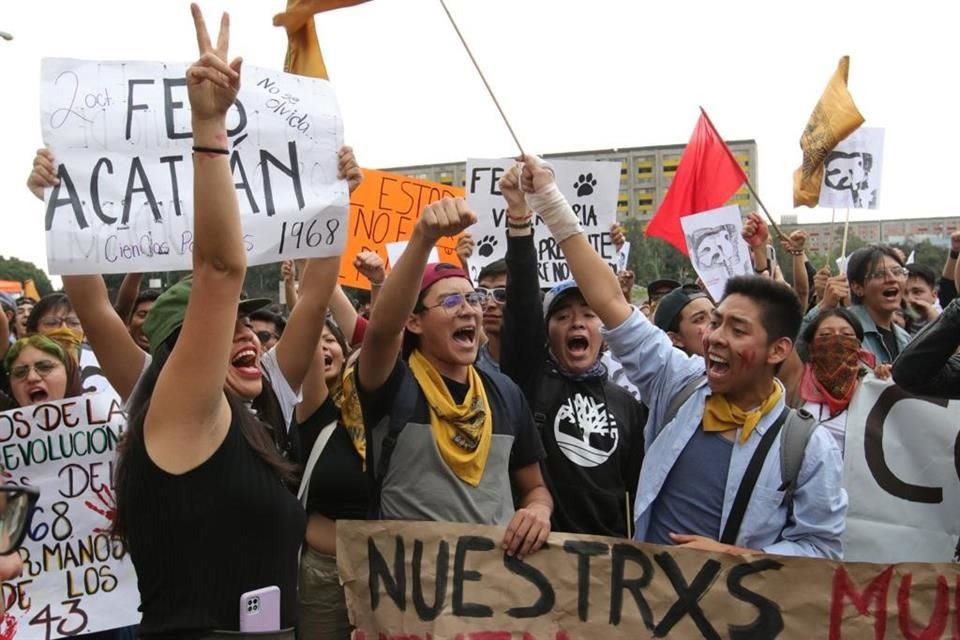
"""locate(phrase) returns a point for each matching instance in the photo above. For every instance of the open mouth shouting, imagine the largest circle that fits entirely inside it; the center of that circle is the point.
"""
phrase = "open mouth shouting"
(717, 366)
(246, 362)
(891, 295)
(466, 337)
(38, 394)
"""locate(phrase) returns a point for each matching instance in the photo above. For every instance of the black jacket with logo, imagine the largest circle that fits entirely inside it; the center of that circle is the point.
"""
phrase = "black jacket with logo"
(591, 428)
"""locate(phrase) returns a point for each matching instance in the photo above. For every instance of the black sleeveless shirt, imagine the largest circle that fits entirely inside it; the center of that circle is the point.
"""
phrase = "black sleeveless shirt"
(202, 539)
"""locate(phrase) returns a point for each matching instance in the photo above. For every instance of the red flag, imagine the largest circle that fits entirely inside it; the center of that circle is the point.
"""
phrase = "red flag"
(707, 176)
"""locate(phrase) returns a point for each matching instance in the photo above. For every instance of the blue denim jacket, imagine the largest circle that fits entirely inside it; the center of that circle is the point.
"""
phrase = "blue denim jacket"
(820, 502)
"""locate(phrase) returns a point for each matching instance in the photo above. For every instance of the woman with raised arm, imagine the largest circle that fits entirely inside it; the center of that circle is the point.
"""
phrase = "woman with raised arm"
(201, 504)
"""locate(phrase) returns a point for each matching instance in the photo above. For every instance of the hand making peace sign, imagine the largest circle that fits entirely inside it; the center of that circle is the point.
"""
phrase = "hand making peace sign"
(212, 84)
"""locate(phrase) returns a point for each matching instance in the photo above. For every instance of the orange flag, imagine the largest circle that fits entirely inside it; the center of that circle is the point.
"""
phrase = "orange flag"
(30, 289)
(833, 119)
(303, 49)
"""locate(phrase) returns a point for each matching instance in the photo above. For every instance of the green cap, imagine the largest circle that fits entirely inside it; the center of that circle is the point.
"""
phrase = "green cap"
(166, 314)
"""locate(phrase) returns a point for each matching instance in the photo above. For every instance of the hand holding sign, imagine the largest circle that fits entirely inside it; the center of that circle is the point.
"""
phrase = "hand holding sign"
(509, 186)
(445, 218)
(755, 230)
(536, 175)
(212, 84)
(44, 173)
(348, 169)
(837, 292)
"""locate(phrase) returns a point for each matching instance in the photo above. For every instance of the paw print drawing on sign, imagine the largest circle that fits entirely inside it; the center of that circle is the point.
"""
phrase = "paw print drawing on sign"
(486, 245)
(584, 185)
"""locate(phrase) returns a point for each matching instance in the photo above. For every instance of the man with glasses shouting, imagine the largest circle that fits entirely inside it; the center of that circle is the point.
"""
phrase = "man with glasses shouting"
(492, 283)
(16, 511)
(445, 438)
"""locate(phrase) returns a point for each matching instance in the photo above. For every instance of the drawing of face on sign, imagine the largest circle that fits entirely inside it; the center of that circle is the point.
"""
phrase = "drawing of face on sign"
(716, 248)
(851, 172)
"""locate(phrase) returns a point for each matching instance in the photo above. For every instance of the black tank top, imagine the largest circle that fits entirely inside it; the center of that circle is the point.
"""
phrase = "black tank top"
(200, 540)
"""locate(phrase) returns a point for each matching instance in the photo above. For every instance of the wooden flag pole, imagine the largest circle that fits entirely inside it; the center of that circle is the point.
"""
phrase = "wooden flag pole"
(846, 229)
(482, 77)
(750, 188)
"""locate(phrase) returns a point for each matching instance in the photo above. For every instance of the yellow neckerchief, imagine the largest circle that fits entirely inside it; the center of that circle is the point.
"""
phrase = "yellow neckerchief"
(720, 415)
(462, 432)
(69, 339)
(351, 418)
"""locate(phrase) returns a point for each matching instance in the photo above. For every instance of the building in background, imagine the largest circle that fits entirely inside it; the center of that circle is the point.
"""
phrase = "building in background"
(645, 174)
(903, 231)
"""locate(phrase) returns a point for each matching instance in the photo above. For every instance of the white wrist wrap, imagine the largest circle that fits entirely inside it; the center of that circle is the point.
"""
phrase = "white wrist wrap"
(555, 212)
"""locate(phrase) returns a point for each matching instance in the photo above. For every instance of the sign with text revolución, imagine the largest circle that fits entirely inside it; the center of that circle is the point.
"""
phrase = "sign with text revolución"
(121, 135)
(76, 577)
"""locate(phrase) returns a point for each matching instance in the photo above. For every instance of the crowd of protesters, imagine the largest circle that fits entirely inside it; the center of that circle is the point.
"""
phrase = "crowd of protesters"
(252, 432)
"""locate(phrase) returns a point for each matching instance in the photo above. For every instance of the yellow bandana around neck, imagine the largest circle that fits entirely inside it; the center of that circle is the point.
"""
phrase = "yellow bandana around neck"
(348, 402)
(463, 432)
(721, 415)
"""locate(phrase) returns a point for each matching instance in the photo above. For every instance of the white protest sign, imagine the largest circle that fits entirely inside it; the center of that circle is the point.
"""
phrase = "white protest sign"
(900, 472)
(852, 171)
(120, 132)
(591, 188)
(717, 250)
(623, 256)
(396, 249)
(92, 379)
(76, 577)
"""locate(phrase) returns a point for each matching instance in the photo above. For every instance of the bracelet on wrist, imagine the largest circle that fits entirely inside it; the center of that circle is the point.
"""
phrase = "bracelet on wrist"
(520, 223)
(215, 150)
(375, 284)
(766, 269)
(954, 254)
(796, 252)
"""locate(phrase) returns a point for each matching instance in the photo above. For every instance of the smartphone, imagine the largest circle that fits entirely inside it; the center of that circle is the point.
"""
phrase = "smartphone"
(260, 610)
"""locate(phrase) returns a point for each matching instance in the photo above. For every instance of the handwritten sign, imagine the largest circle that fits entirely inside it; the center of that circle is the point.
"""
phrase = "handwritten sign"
(421, 580)
(902, 480)
(384, 210)
(591, 188)
(717, 250)
(121, 135)
(76, 577)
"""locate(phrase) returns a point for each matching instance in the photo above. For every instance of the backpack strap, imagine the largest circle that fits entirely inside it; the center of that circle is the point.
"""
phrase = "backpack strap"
(404, 404)
(732, 528)
(318, 448)
(797, 432)
(549, 389)
(677, 401)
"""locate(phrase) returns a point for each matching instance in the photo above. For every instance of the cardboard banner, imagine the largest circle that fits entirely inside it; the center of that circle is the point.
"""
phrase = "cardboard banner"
(121, 135)
(453, 581)
(852, 171)
(591, 188)
(384, 210)
(901, 474)
(76, 577)
(717, 250)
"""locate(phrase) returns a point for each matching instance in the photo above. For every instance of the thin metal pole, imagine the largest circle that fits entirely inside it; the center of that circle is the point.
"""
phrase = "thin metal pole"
(846, 228)
(833, 233)
(482, 77)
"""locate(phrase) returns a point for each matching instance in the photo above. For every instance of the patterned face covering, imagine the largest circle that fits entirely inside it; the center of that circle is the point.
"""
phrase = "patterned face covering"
(836, 363)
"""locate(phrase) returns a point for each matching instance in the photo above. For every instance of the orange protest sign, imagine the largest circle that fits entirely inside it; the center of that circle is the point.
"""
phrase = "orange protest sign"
(384, 209)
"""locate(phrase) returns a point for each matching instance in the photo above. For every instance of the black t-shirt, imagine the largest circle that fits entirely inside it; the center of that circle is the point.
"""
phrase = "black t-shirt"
(339, 487)
(890, 342)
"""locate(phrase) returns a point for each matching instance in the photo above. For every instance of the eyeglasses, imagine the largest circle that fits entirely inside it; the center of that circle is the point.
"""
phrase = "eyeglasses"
(16, 510)
(881, 274)
(42, 367)
(56, 323)
(266, 336)
(452, 301)
(498, 294)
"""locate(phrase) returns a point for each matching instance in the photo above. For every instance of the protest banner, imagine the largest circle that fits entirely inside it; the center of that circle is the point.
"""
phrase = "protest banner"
(384, 210)
(717, 250)
(901, 466)
(591, 188)
(853, 170)
(120, 132)
(453, 581)
(76, 577)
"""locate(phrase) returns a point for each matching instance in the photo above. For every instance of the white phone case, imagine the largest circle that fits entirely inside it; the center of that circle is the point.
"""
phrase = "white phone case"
(260, 610)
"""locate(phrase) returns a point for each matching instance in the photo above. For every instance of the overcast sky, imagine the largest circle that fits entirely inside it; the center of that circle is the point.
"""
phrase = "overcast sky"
(570, 75)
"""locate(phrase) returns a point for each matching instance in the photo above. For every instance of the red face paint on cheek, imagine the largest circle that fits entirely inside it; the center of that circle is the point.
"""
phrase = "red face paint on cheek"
(747, 358)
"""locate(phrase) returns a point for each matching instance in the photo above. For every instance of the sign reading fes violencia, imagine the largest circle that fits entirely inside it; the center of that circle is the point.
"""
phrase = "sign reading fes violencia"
(384, 210)
(453, 581)
(120, 132)
(76, 577)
